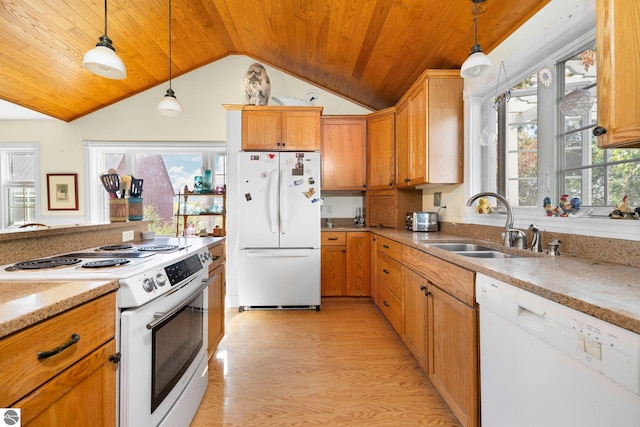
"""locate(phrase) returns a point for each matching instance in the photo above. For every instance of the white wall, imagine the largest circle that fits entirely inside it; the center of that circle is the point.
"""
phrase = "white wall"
(202, 93)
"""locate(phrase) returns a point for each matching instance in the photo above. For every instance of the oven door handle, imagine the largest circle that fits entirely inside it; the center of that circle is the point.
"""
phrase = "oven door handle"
(167, 314)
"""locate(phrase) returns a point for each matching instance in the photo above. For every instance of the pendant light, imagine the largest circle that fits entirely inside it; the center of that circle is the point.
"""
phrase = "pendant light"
(477, 64)
(169, 105)
(103, 59)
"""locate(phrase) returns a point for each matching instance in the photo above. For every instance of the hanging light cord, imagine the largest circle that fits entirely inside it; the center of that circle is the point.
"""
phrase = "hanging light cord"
(105, 17)
(475, 20)
(170, 33)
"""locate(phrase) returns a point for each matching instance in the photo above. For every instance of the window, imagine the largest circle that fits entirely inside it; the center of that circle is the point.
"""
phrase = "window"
(18, 182)
(165, 169)
(599, 177)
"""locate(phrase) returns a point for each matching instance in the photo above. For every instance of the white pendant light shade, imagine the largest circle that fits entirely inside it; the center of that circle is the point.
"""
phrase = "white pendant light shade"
(169, 105)
(476, 65)
(104, 61)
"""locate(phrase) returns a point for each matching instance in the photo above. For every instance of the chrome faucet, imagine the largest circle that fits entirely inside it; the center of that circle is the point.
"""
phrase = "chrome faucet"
(520, 239)
(507, 240)
(536, 240)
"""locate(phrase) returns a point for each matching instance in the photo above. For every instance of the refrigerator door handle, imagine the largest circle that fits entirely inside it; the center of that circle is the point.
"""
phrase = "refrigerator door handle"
(283, 202)
(273, 182)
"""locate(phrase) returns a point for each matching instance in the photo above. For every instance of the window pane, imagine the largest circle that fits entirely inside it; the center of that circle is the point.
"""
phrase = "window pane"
(22, 205)
(522, 144)
(624, 180)
(21, 167)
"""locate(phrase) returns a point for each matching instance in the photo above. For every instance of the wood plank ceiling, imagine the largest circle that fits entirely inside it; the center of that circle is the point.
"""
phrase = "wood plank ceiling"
(368, 51)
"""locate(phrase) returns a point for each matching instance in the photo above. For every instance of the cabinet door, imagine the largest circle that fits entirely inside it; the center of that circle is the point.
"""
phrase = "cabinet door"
(82, 395)
(216, 308)
(415, 316)
(373, 269)
(358, 264)
(418, 166)
(333, 271)
(453, 354)
(343, 153)
(300, 130)
(618, 68)
(381, 167)
(261, 130)
(403, 151)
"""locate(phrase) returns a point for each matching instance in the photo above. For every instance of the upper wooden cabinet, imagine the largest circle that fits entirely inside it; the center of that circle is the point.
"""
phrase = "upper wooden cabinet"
(617, 39)
(344, 152)
(429, 131)
(281, 128)
(381, 166)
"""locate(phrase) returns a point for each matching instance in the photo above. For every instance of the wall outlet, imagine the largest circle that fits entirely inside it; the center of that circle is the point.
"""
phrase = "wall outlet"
(329, 209)
(127, 235)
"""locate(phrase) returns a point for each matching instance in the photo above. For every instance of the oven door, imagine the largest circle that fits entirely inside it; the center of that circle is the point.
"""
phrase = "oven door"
(164, 356)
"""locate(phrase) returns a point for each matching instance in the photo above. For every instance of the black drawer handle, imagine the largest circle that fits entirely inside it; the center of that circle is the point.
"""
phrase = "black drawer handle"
(385, 271)
(215, 258)
(45, 354)
(385, 246)
(333, 238)
(599, 130)
(386, 304)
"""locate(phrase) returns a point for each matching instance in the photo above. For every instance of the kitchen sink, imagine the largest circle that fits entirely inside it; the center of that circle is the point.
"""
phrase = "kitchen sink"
(487, 254)
(459, 247)
(472, 250)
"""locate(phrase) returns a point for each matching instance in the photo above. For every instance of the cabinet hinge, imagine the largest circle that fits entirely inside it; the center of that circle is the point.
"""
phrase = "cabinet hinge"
(115, 358)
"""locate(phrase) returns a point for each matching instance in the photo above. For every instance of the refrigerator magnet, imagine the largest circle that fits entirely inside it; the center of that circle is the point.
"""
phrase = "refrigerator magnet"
(311, 180)
(255, 157)
(247, 197)
(298, 182)
(264, 175)
(310, 193)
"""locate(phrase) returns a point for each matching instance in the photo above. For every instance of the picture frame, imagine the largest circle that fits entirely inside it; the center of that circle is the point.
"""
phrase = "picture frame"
(62, 191)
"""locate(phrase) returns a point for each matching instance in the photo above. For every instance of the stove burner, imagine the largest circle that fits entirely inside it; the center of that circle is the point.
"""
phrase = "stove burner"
(158, 248)
(105, 263)
(36, 264)
(119, 247)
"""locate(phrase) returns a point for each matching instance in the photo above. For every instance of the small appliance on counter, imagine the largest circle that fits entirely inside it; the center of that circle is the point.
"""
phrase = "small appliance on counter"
(422, 221)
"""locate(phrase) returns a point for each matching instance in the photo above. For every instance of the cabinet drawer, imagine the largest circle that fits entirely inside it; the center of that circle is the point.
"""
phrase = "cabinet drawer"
(392, 307)
(455, 280)
(20, 369)
(389, 272)
(333, 238)
(390, 247)
(217, 256)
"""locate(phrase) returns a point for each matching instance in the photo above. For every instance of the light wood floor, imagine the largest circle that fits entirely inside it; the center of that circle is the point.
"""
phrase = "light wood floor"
(342, 366)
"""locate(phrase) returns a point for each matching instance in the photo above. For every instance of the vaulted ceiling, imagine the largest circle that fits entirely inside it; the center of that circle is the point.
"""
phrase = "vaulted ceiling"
(368, 51)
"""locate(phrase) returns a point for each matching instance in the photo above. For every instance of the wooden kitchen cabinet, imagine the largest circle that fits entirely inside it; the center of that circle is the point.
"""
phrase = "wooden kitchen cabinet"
(344, 153)
(345, 263)
(217, 294)
(281, 128)
(452, 331)
(76, 387)
(415, 316)
(617, 40)
(389, 282)
(388, 208)
(429, 131)
(381, 165)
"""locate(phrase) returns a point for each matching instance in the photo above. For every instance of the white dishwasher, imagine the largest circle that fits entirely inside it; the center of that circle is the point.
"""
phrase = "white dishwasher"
(544, 364)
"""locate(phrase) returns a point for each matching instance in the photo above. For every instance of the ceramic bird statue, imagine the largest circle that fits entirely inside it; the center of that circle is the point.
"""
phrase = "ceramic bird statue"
(256, 85)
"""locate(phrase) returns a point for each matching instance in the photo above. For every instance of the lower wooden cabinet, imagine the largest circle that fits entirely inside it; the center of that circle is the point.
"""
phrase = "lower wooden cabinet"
(416, 316)
(453, 356)
(76, 387)
(345, 263)
(217, 294)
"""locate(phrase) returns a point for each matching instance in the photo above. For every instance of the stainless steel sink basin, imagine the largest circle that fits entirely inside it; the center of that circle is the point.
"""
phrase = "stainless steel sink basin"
(459, 247)
(487, 254)
(472, 250)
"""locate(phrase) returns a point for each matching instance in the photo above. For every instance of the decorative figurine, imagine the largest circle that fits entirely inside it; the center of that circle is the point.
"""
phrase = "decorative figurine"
(548, 207)
(483, 206)
(256, 85)
(623, 211)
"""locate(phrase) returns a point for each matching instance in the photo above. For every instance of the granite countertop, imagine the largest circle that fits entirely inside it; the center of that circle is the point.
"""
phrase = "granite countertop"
(23, 304)
(604, 290)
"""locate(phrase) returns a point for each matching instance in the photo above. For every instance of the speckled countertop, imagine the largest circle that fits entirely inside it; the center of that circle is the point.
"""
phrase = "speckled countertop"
(25, 303)
(610, 292)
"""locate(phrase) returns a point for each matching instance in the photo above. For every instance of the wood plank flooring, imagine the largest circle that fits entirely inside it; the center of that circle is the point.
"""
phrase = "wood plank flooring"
(342, 366)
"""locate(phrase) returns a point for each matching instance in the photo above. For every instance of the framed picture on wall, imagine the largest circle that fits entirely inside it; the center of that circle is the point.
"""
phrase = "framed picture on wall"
(62, 191)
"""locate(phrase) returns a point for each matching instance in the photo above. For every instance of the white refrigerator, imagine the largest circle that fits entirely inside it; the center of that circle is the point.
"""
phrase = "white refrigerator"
(279, 230)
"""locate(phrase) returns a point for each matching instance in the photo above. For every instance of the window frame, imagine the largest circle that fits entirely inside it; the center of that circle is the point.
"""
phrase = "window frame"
(97, 208)
(5, 150)
(478, 104)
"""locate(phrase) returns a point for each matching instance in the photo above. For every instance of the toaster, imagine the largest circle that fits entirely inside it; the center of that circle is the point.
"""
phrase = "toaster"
(422, 221)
